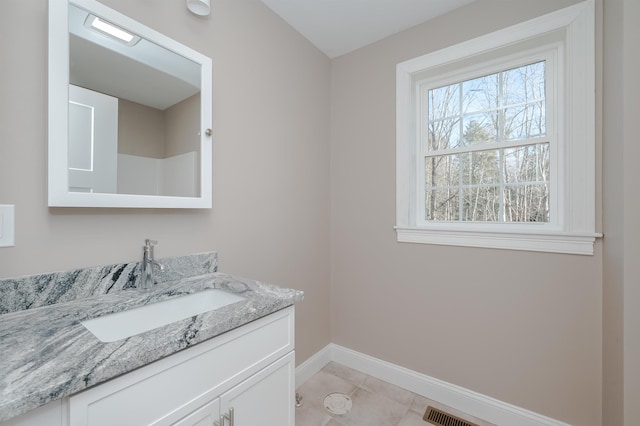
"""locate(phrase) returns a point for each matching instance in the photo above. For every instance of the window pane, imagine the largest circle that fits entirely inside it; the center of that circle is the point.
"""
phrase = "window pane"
(480, 94)
(442, 170)
(527, 164)
(475, 168)
(523, 99)
(444, 102)
(526, 203)
(480, 168)
(480, 128)
(442, 204)
(524, 84)
(481, 204)
(525, 121)
(444, 134)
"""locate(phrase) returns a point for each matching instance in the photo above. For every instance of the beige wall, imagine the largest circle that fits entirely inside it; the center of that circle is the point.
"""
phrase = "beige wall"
(140, 130)
(270, 219)
(522, 327)
(631, 209)
(182, 127)
(613, 218)
(621, 285)
(631, 111)
(149, 132)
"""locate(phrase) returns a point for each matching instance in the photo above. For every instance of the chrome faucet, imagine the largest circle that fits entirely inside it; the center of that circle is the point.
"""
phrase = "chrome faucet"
(148, 263)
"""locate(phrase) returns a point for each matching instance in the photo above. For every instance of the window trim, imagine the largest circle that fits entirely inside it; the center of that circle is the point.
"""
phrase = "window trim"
(574, 229)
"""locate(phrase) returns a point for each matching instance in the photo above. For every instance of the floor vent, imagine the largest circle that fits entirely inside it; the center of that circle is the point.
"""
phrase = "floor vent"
(442, 418)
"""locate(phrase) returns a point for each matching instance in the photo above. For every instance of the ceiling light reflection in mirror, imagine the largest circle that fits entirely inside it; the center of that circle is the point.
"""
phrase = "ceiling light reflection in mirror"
(93, 22)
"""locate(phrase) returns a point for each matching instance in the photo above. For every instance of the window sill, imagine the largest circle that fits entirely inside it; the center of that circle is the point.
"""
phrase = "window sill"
(568, 243)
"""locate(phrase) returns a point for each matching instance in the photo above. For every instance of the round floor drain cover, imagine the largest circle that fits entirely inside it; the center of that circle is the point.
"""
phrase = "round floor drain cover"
(337, 403)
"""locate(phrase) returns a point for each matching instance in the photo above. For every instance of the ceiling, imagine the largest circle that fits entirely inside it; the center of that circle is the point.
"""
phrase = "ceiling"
(340, 26)
(132, 72)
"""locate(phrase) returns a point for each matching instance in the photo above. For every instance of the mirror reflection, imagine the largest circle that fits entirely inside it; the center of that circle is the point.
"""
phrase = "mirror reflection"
(134, 113)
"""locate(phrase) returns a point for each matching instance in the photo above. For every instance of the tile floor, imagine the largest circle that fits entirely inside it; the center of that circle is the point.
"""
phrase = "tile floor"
(375, 403)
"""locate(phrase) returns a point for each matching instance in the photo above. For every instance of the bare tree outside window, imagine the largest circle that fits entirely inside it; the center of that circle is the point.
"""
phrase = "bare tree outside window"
(486, 155)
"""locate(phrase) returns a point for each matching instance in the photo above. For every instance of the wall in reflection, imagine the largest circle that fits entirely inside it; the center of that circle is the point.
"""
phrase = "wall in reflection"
(158, 149)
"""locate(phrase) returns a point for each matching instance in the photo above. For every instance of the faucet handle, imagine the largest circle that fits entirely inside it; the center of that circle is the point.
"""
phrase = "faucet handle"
(148, 248)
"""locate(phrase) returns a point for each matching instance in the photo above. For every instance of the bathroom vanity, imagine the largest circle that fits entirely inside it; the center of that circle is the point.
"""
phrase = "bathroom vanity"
(248, 371)
(233, 365)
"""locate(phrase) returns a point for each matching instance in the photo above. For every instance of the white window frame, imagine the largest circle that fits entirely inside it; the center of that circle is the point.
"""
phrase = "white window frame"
(572, 224)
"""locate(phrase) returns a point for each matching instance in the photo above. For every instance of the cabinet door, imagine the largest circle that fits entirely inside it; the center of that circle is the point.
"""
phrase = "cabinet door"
(266, 398)
(206, 415)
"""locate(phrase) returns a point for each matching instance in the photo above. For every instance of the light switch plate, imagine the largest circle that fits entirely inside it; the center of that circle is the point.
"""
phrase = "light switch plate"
(7, 222)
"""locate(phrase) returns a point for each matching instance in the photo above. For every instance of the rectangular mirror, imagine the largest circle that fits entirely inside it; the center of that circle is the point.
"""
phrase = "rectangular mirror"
(129, 113)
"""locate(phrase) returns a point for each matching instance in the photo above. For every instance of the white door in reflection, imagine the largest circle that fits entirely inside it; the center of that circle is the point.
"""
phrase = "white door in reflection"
(93, 141)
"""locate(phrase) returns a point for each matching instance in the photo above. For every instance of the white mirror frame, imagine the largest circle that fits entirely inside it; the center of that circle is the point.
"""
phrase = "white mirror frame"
(58, 61)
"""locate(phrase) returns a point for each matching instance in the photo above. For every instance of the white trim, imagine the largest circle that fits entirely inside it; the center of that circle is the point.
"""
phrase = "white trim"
(313, 364)
(473, 403)
(580, 119)
(534, 27)
(572, 229)
(553, 243)
(7, 225)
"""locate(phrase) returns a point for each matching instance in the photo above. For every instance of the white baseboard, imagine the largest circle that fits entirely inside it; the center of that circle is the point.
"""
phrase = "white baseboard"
(313, 364)
(473, 403)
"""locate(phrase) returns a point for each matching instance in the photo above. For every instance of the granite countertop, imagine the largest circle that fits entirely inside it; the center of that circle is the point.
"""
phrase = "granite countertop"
(46, 354)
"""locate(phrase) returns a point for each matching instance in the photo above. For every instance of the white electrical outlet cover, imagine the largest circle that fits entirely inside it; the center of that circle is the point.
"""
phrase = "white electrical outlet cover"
(7, 222)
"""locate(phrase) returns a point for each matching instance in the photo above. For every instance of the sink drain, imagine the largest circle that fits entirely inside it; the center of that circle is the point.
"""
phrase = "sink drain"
(337, 403)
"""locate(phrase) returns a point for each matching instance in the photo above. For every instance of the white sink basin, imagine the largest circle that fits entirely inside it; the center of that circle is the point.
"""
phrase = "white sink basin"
(121, 325)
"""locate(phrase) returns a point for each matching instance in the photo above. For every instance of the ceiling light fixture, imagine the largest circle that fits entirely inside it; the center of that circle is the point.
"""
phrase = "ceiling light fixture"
(111, 30)
(199, 7)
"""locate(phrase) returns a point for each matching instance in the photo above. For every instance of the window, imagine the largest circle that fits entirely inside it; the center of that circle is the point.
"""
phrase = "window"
(496, 139)
(485, 148)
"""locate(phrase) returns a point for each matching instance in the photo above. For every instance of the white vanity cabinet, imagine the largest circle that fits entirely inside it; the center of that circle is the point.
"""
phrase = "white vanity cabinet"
(255, 402)
(263, 399)
(207, 415)
(249, 369)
